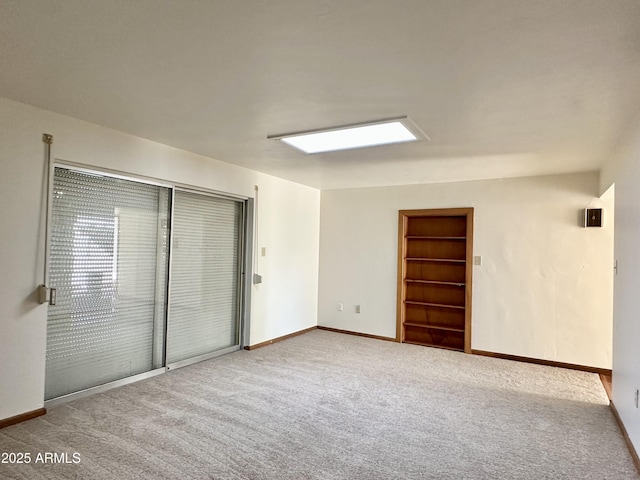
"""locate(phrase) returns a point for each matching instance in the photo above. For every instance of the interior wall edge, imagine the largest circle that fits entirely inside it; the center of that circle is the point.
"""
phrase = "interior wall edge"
(279, 339)
(625, 434)
(23, 417)
(358, 334)
(541, 361)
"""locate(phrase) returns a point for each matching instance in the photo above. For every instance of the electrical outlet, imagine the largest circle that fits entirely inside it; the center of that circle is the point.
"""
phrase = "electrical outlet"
(340, 306)
(357, 308)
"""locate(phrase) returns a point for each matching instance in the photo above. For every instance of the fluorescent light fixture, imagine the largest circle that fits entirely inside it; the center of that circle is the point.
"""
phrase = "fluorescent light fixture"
(382, 132)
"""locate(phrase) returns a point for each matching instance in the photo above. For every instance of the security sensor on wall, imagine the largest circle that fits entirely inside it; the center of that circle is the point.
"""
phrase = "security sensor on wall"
(592, 217)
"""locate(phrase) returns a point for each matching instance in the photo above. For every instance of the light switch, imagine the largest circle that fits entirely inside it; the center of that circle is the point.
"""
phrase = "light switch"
(477, 260)
(264, 251)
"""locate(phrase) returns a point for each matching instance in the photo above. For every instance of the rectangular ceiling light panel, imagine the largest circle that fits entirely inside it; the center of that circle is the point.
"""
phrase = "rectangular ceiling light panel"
(353, 136)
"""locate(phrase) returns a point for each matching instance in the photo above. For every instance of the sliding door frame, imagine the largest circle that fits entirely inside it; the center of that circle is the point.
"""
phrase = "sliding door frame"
(239, 284)
(245, 263)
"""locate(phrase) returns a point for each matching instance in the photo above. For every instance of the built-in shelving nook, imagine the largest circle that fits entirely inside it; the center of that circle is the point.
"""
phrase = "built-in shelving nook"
(435, 258)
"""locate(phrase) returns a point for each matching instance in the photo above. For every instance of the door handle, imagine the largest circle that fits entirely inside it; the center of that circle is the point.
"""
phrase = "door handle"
(46, 295)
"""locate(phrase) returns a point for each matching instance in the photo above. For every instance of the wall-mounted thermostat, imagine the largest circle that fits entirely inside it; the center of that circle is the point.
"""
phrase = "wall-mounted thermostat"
(592, 217)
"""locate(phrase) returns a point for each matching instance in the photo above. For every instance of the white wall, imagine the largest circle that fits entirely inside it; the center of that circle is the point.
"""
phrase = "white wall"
(624, 171)
(289, 221)
(544, 289)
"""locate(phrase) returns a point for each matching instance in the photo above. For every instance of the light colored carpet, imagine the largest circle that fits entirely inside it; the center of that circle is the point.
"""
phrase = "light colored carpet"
(330, 406)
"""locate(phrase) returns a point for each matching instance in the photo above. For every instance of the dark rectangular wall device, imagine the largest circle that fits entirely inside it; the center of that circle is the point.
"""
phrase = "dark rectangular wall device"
(592, 217)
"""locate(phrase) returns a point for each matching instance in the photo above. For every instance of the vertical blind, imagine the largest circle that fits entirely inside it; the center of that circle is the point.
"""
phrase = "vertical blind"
(204, 297)
(108, 262)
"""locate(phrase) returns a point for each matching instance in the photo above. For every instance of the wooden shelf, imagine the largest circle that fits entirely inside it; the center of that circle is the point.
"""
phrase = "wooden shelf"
(421, 237)
(435, 265)
(425, 344)
(434, 304)
(435, 282)
(433, 327)
(425, 259)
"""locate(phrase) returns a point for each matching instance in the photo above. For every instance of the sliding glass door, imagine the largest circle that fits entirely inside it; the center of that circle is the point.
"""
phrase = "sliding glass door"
(108, 263)
(147, 277)
(205, 276)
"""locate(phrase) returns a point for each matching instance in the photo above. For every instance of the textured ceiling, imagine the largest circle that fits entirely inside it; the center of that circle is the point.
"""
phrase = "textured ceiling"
(503, 87)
